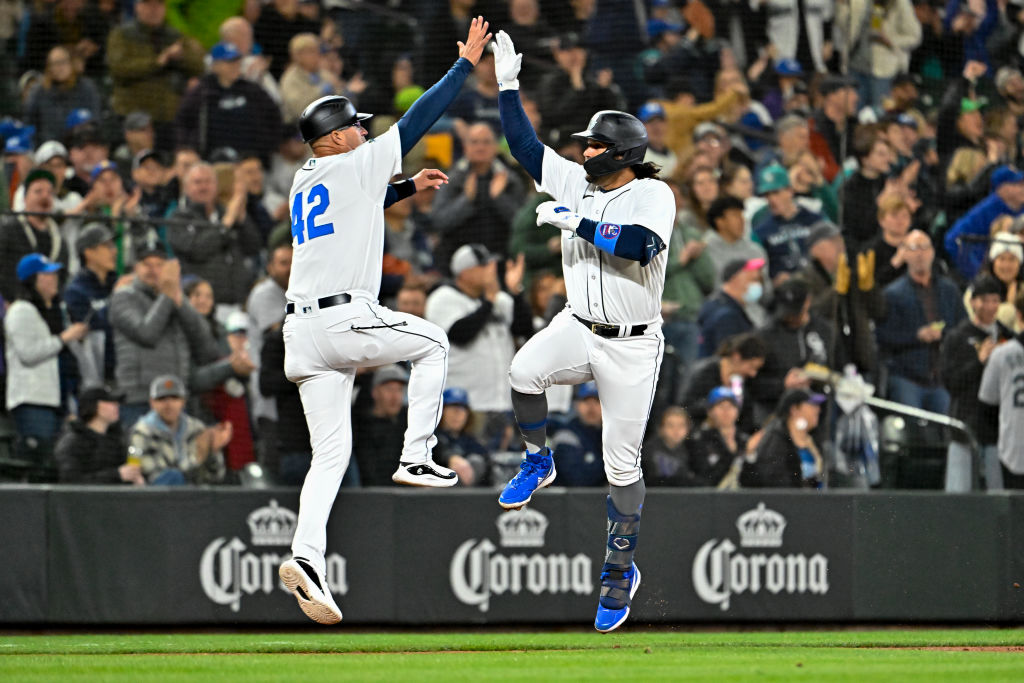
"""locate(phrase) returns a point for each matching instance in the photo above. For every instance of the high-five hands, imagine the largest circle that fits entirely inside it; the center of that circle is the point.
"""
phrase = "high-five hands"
(476, 41)
(506, 62)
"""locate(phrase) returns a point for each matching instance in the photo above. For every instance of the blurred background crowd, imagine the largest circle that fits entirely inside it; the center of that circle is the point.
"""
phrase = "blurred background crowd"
(848, 201)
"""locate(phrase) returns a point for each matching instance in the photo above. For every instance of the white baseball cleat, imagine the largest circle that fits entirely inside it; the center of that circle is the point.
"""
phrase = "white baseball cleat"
(310, 588)
(426, 473)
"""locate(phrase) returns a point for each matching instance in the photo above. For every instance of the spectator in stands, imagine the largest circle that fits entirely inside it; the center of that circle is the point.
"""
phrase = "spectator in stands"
(666, 459)
(783, 233)
(279, 22)
(832, 121)
(809, 187)
(960, 123)
(41, 371)
(87, 148)
(716, 445)
(478, 102)
(890, 257)
(139, 136)
(919, 307)
(787, 456)
(267, 207)
(880, 38)
(1005, 258)
(700, 191)
(172, 447)
(456, 447)
(87, 296)
(738, 181)
(737, 361)
(683, 116)
(412, 299)
(377, 434)
(569, 94)
(724, 314)
(482, 321)
(965, 351)
(156, 330)
(531, 34)
(967, 182)
(17, 154)
(150, 63)
(305, 80)
(218, 243)
(149, 174)
(480, 199)
(226, 110)
(1000, 386)
(92, 448)
(861, 190)
(652, 114)
(61, 91)
(52, 156)
(965, 242)
(727, 239)
(255, 65)
(23, 235)
(577, 446)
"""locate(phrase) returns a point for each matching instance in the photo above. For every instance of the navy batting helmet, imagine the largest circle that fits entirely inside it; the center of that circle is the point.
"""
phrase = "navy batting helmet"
(327, 114)
(625, 136)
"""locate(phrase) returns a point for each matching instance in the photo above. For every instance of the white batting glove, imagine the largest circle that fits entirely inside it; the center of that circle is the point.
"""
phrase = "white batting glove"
(553, 213)
(506, 62)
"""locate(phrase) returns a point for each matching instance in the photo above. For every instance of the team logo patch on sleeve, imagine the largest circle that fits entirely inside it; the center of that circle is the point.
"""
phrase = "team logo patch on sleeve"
(609, 230)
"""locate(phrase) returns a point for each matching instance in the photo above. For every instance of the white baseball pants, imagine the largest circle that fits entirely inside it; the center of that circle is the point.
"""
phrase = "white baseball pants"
(323, 349)
(625, 370)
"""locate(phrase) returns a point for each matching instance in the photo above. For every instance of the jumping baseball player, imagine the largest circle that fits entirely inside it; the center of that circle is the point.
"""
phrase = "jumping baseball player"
(616, 220)
(333, 323)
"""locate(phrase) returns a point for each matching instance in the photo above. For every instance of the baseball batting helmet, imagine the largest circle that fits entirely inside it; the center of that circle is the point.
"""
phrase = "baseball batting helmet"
(625, 136)
(327, 114)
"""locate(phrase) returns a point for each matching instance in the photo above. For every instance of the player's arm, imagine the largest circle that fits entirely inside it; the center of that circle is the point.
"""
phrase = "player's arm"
(519, 132)
(431, 104)
(629, 241)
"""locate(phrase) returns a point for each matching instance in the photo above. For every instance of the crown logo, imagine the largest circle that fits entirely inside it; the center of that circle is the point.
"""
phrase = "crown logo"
(761, 528)
(272, 525)
(523, 528)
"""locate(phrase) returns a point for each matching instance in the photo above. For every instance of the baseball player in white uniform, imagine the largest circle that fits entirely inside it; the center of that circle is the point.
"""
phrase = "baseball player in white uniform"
(333, 323)
(616, 218)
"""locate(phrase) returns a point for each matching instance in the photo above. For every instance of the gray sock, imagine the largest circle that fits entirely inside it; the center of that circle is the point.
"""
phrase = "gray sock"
(532, 415)
(628, 499)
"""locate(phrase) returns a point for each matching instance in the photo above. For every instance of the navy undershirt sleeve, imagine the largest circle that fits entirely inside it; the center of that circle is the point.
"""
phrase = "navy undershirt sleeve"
(522, 139)
(396, 192)
(633, 242)
(428, 108)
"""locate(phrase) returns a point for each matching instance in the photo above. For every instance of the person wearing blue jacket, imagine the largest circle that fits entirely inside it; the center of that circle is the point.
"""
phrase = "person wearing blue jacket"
(1007, 198)
(577, 446)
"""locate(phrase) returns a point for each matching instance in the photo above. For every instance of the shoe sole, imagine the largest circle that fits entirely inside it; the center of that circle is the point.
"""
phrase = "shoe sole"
(632, 592)
(424, 480)
(544, 483)
(294, 578)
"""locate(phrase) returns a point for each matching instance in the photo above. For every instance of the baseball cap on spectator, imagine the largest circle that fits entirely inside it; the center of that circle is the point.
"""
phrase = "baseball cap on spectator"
(832, 83)
(789, 67)
(708, 128)
(968, 105)
(1006, 174)
(390, 373)
(655, 27)
(719, 394)
(650, 110)
(77, 117)
(986, 284)
(87, 134)
(906, 79)
(469, 256)
(144, 156)
(165, 386)
(38, 174)
(33, 264)
(794, 397)
(50, 150)
(17, 145)
(722, 204)
(569, 40)
(455, 396)
(225, 52)
(791, 295)
(151, 247)
(93, 235)
(772, 178)
(822, 230)
(102, 167)
(730, 270)
(1006, 242)
(237, 322)
(225, 155)
(586, 390)
(138, 120)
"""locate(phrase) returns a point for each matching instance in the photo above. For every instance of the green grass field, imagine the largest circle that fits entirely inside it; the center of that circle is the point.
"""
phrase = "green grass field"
(638, 655)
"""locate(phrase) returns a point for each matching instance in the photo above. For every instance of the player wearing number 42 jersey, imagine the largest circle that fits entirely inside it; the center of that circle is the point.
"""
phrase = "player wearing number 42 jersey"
(333, 323)
(1002, 384)
(616, 219)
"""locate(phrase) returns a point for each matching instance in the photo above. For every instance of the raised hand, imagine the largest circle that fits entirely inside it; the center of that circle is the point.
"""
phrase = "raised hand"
(514, 272)
(557, 215)
(475, 41)
(429, 178)
(506, 62)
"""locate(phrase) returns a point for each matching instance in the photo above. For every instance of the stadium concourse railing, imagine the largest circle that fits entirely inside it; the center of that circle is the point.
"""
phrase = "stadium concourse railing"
(107, 555)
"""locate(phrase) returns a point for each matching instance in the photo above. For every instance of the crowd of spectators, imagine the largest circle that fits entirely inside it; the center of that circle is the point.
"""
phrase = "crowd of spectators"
(848, 200)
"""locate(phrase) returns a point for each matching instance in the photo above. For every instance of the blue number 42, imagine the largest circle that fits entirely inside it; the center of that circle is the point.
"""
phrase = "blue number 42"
(318, 200)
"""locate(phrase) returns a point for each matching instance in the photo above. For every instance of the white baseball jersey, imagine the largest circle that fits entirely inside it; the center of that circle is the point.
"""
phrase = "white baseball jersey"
(338, 220)
(600, 286)
(1002, 384)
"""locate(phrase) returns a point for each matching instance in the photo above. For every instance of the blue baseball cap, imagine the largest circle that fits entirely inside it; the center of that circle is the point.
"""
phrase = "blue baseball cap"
(455, 396)
(77, 117)
(789, 67)
(225, 52)
(33, 264)
(719, 394)
(650, 110)
(655, 27)
(586, 390)
(105, 165)
(17, 145)
(1006, 174)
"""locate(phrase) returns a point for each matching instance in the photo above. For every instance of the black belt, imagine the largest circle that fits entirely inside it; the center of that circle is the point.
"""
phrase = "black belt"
(605, 330)
(323, 302)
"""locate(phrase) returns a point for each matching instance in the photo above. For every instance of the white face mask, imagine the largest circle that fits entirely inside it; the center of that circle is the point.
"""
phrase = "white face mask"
(753, 293)
(801, 424)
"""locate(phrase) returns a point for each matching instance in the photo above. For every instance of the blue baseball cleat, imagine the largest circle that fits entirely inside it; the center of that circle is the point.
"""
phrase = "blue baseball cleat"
(613, 607)
(535, 472)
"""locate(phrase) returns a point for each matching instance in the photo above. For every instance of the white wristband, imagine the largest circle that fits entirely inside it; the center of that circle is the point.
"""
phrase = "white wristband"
(510, 85)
